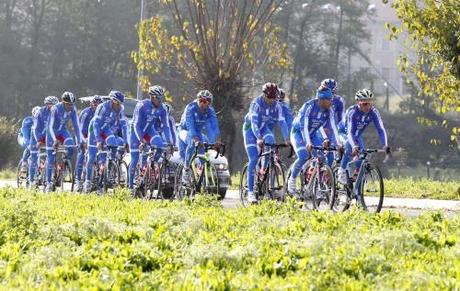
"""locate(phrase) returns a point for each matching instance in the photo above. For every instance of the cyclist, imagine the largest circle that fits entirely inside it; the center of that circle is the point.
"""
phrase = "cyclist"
(57, 132)
(85, 117)
(314, 115)
(100, 131)
(24, 135)
(197, 115)
(264, 113)
(357, 118)
(38, 137)
(286, 110)
(338, 108)
(146, 113)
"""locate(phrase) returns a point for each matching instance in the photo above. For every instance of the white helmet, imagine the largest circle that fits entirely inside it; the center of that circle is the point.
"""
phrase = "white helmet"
(364, 94)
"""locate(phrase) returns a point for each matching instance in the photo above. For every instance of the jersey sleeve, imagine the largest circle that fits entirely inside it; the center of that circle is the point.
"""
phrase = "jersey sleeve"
(306, 125)
(379, 126)
(190, 120)
(52, 118)
(350, 126)
(254, 111)
(76, 125)
(212, 126)
(282, 122)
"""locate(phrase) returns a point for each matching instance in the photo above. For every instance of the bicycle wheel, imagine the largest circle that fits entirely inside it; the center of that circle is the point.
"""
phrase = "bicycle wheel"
(141, 183)
(113, 176)
(123, 168)
(210, 180)
(276, 180)
(371, 189)
(181, 190)
(21, 178)
(323, 189)
(342, 198)
(155, 181)
(68, 178)
(306, 187)
(243, 189)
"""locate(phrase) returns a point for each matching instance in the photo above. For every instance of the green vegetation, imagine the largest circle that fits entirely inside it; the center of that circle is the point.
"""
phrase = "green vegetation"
(8, 174)
(78, 242)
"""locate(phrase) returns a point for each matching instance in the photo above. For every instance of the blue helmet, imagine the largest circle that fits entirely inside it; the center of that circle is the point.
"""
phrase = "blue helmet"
(329, 83)
(324, 93)
(96, 100)
(117, 96)
(157, 91)
(51, 100)
(68, 97)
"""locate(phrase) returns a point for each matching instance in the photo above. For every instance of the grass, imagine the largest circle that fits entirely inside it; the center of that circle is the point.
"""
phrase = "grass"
(68, 241)
(407, 188)
(8, 174)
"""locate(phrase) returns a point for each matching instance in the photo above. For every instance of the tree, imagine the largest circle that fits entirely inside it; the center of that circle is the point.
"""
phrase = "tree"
(215, 44)
(433, 31)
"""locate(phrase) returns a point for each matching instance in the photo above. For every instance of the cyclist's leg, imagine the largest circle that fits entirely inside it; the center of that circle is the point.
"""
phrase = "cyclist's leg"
(79, 165)
(190, 149)
(300, 149)
(50, 158)
(182, 141)
(250, 144)
(134, 154)
(91, 157)
(269, 138)
(33, 160)
(157, 142)
(68, 142)
(26, 152)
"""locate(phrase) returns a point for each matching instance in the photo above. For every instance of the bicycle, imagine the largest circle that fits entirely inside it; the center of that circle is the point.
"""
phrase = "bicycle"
(366, 182)
(62, 172)
(317, 181)
(21, 176)
(269, 179)
(148, 175)
(107, 174)
(39, 179)
(204, 178)
(162, 189)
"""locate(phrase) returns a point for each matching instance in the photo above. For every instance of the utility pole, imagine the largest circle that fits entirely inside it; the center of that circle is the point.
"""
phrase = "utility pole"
(139, 73)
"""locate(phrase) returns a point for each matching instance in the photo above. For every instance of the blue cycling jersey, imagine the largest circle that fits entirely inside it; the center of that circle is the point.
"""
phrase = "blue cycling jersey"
(194, 120)
(26, 128)
(288, 116)
(145, 116)
(85, 117)
(40, 123)
(59, 118)
(356, 122)
(105, 118)
(262, 115)
(312, 118)
(338, 107)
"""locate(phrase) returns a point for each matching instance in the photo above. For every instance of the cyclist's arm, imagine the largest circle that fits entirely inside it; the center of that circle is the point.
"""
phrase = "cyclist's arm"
(190, 120)
(76, 125)
(212, 125)
(172, 128)
(340, 109)
(350, 126)
(333, 134)
(380, 128)
(26, 127)
(124, 128)
(84, 121)
(139, 116)
(254, 111)
(306, 130)
(52, 117)
(282, 123)
(98, 122)
(165, 121)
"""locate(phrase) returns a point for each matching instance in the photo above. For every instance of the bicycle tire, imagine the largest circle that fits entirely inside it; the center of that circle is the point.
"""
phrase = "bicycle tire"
(124, 171)
(342, 198)
(154, 181)
(243, 186)
(211, 182)
(369, 169)
(323, 194)
(276, 181)
(68, 167)
(20, 182)
(113, 176)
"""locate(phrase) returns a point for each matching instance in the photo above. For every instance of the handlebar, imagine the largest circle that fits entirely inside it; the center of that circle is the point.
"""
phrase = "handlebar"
(207, 146)
(277, 146)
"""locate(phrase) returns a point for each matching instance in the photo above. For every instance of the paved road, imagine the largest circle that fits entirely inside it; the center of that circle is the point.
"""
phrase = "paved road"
(410, 207)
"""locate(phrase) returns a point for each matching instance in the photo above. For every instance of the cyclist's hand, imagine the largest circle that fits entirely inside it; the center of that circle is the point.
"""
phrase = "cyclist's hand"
(55, 144)
(217, 144)
(326, 143)
(387, 150)
(127, 148)
(309, 147)
(355, 151)
(196, 141)
(260, 142)
(99, 146)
